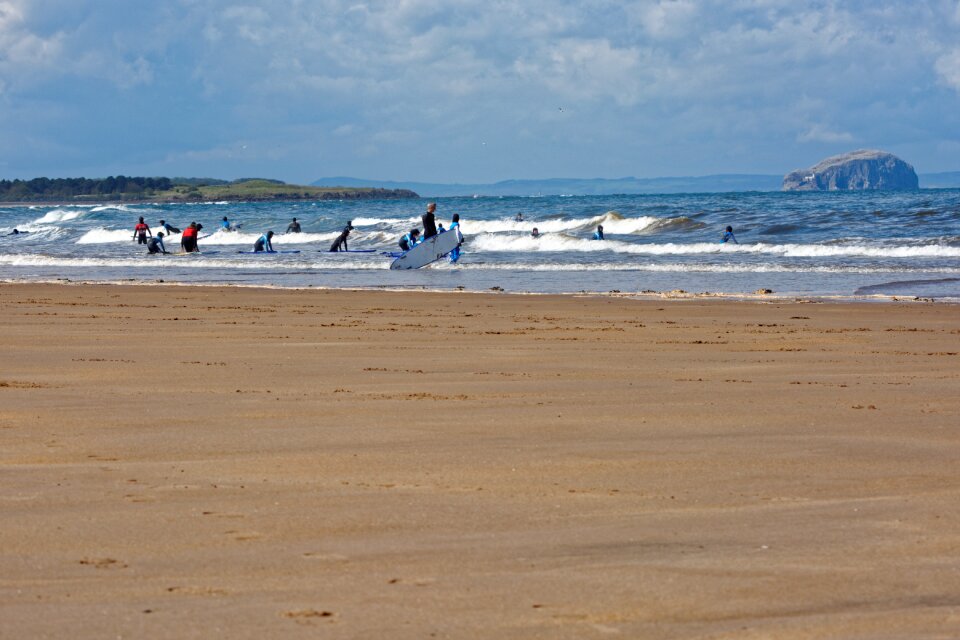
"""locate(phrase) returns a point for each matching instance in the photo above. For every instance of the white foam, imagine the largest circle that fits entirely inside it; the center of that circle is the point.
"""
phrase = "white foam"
(60, 215)
(103, 236)
(560, 242)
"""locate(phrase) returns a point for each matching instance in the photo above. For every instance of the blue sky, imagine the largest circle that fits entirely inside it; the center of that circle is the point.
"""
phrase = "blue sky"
(471, 90)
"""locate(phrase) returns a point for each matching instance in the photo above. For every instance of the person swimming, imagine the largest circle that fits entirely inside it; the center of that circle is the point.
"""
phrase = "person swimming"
(155, 244)
(141, 231)
(293, 227)
(409, 241)
(264, 243)
(535, 233)
(518, 217)
(17, 232)
(168, 228)
(598, 234)
(728, 235)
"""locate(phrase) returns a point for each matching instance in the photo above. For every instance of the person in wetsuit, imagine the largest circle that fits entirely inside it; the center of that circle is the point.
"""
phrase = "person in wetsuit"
(293, 227)
(598, 234)
(155, 244)
(141, 231)
(728, 235)
(17, 232)
(168, 228)
(188, 240)
(429, 221)
(409, 241)
(340, 244)
(535, 233)
(263, 243)
(454, 228)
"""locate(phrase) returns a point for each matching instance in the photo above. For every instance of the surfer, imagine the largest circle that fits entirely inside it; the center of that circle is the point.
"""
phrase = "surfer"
(140, 232)
(155, 244)
(519, 217)
(409, 241)
(293, 227)
(440, 228)
(263, 243)
(598, 234)
(535, 233)
(728, 235)
(188, 240)
(454, 227)
(225, 225)
(341, 240)
(17, 232)
(429, 221)
(168, 228)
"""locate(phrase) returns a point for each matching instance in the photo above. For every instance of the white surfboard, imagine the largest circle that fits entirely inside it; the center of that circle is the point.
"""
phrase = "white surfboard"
(430, 250)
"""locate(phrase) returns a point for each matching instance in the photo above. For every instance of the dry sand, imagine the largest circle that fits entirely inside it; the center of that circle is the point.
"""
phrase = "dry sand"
(222, 462)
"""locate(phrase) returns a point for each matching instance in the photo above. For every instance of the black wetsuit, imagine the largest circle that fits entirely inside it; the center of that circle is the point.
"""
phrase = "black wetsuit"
(341, 241)
(155, 245)
(429, 225)
(293, 227)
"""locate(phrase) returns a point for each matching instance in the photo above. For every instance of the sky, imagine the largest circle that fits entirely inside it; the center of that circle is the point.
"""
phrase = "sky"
(472, 90)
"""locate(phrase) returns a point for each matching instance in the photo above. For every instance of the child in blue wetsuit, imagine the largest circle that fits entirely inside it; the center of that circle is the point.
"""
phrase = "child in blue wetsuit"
(598, 234)
(454, 228)
(263, 243)
(728, 235)
(409, 241)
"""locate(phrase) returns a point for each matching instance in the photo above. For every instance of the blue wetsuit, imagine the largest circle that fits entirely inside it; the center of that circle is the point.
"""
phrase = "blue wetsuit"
(728, 235)
(155, 245)
(455, 254)
(598, 235)
(263, 244)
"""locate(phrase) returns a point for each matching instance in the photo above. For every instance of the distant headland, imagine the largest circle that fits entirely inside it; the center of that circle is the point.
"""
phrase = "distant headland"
(140, 189)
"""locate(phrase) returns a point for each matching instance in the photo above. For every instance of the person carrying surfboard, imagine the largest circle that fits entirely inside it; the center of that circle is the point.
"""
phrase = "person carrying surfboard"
(454, 228)
(141, 231)
(263, 243)
(429, 221)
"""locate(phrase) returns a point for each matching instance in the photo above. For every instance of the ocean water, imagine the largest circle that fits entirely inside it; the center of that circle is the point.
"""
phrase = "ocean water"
(805, 244)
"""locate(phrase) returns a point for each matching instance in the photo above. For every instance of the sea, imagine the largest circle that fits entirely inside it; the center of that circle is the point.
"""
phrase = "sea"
(870, 245)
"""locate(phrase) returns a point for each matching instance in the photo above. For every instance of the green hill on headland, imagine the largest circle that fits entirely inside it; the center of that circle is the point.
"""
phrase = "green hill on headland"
(140, 189)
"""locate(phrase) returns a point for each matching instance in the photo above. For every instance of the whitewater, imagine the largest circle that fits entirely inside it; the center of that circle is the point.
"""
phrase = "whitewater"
(808, 244)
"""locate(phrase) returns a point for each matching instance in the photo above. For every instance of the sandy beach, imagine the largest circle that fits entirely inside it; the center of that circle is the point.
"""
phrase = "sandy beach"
(226, 462)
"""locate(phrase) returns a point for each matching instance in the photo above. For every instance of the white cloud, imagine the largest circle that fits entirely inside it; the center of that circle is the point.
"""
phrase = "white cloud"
(948, 68)
(821, 133)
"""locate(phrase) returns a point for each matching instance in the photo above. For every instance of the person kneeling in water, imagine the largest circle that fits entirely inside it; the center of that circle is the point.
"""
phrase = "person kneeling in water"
(263, 243)
(409, 241)
(155, 244)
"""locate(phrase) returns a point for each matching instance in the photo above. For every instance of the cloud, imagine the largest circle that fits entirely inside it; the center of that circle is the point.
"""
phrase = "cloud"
(820, 133)
(948, 68)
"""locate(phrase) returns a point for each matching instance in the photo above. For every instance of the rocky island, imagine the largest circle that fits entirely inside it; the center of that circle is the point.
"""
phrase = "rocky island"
(863, 170)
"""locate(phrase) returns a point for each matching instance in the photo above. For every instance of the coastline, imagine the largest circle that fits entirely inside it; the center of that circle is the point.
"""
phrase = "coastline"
(259, 461)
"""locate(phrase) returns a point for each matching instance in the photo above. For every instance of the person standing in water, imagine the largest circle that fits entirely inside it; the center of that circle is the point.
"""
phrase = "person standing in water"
(455, 228)
(340, 244)
(188, 239)
(263, 243)
(293, 227)
(598, 234)
(155, 244)
(728, 235)
(141, 231)
(429, 221)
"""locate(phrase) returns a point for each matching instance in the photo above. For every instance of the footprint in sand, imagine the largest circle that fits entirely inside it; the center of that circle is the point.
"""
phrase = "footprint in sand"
(308, 616)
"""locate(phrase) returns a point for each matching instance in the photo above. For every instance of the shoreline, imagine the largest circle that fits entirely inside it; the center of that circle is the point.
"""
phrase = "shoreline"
(675, 295)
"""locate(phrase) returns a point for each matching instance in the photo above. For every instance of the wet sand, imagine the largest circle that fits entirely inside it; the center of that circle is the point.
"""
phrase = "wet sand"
(221, 462)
